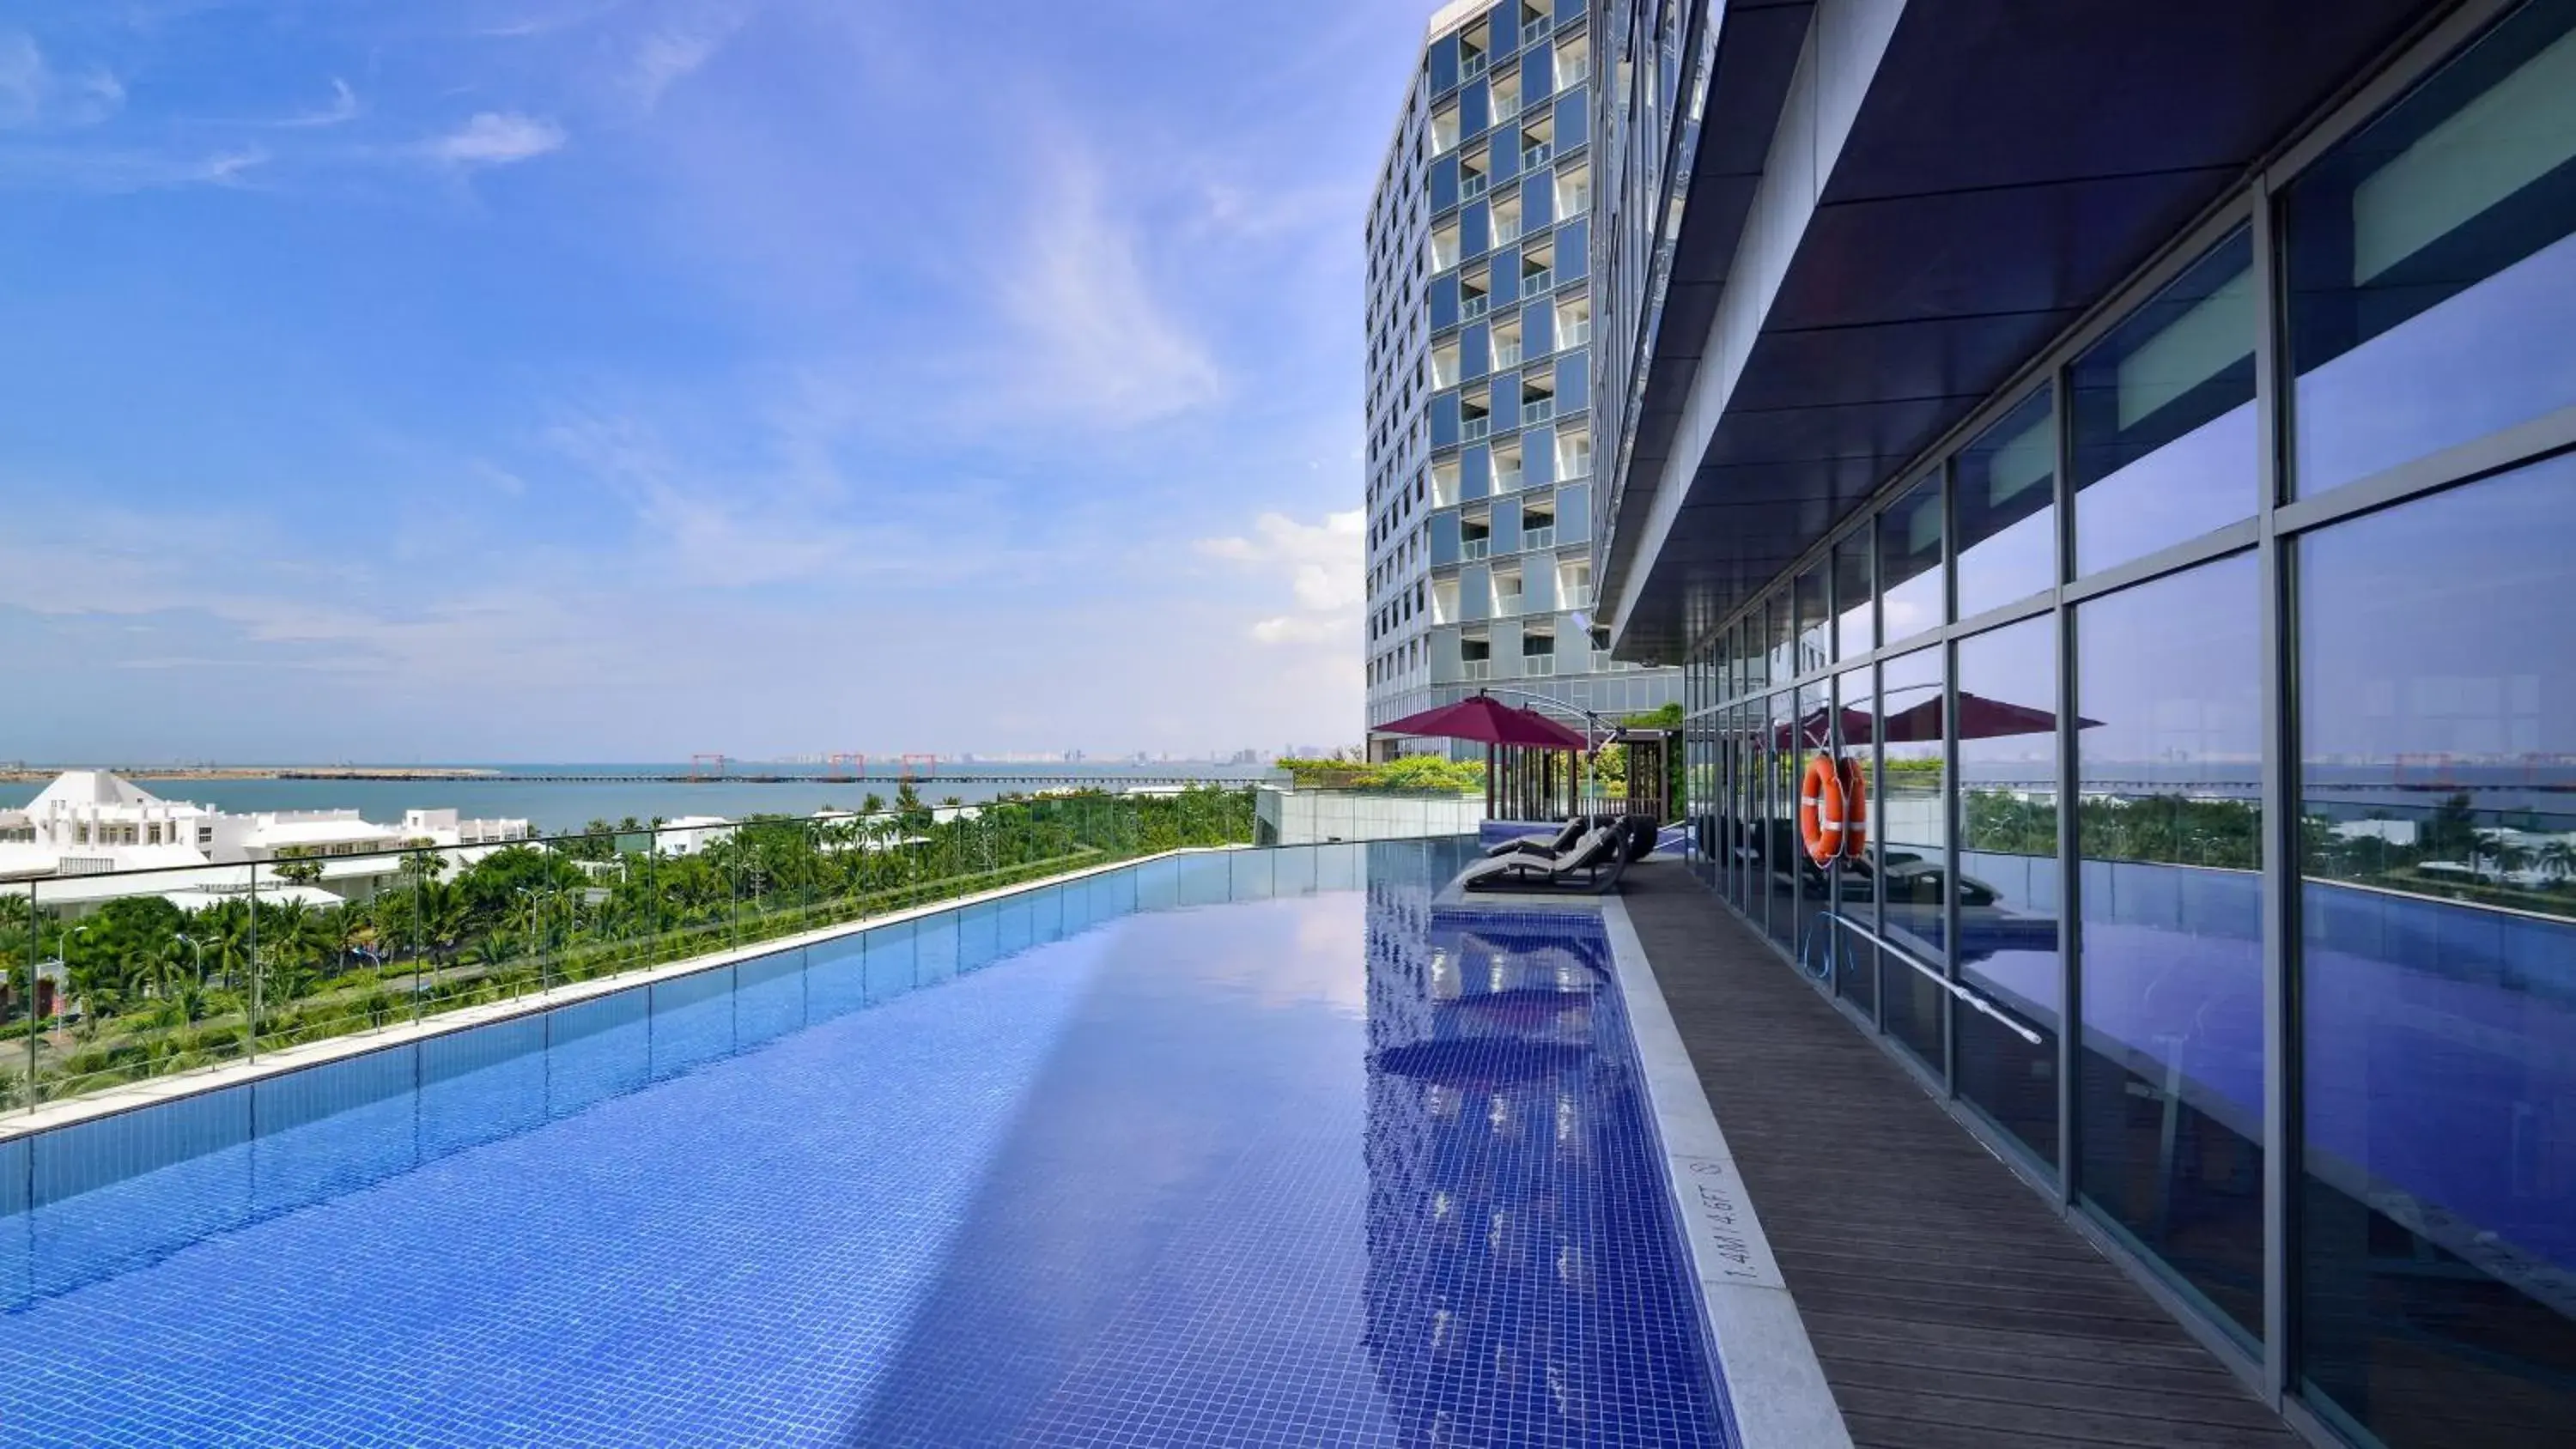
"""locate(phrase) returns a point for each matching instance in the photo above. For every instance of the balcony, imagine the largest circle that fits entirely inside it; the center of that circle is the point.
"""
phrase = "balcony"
(1534, 157)
(1472, 185)
(1538, 538)
(1534, 283)
(1506, 355)
(1476, 671)
(1475, 429)
(1472, 549)
(1471, 308)
(1538, 666)
(1537, 410)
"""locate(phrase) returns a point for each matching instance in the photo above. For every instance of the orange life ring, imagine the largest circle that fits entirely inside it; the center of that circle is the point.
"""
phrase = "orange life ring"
(1820, 809)
(1855, 810)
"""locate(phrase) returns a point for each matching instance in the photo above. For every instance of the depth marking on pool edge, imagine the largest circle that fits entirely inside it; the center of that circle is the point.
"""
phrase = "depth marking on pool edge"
(1776, 1394)
(1720, 1217)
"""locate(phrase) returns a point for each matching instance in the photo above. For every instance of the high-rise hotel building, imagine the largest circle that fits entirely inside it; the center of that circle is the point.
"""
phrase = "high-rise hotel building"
(1480, 432)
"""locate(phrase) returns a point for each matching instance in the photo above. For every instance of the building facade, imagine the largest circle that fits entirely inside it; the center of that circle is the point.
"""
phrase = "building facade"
(2140, 443)
(1480, 323)
(91, 822)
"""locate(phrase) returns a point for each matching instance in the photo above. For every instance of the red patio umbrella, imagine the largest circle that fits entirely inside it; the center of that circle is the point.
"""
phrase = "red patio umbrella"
(1494, 724)
(1489, 721)
(1980, 718)
(1812, 732)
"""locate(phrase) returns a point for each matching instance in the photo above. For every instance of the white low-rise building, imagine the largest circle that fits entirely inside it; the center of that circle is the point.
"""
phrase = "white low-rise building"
(90, 822)
(691, 834)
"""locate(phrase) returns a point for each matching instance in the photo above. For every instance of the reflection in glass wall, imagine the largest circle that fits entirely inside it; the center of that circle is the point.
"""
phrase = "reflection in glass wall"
(1781, 638)
(2432, 260)
(1909, 846)
(2437, 685)
(2170, 1083)
(2008, 876)
(1815, 889)
(1754, 731)
(1814, 623)
(2164, 416)
(1855, 885)
(2007, 481)
(1911, 574)
(1782, 857)
(1744, 727)
(1855, 627)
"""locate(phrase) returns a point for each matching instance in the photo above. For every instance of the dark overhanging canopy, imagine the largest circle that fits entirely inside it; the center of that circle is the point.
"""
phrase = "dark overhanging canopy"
(2008, 163)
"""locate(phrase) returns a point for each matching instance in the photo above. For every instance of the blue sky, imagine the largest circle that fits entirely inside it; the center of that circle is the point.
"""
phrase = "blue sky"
(566, 379)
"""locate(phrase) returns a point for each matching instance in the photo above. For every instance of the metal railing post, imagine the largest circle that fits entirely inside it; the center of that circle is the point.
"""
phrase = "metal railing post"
(254, 961)
(35, 956)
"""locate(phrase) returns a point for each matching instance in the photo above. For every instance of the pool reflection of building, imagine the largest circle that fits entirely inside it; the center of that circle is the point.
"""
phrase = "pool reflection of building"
(2141, 448)
(1506, 1145)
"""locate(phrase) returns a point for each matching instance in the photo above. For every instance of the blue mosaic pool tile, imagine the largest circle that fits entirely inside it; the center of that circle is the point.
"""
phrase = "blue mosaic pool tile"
(1318, 1171)
(937, 944)
(979, 936)
(1158, 884)
(332, 1129)
(893, 963)
(1206, 879)
(1254, 879)
(598, 1049)
(480, 1085)
(1015, 926)
(1293, 870)
(145, 1184)
(15, 1194)
(836, 977)
(692, 1021)
(769, 997)
(1342, 867)
(17, 1229)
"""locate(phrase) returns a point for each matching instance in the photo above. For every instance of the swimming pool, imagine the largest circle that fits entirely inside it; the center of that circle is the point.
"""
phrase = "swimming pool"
(1305, 1162)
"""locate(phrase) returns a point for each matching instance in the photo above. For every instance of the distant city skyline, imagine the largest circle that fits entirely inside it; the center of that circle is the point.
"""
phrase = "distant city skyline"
(622, 379)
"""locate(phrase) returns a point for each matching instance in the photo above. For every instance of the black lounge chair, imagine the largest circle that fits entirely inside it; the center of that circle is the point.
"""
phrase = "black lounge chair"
(1592, 866)
(1562, 841)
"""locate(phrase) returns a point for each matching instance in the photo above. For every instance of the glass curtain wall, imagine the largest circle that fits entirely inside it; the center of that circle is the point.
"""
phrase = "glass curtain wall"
(2413, 717)
(1815, 943)
(2169, 690)
(1855, 882)
(1910, 848)
(1782, 857)
(2008, 896)
(2437, 677)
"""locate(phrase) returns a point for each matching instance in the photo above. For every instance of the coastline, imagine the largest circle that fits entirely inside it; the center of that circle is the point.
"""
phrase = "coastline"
(43, 774)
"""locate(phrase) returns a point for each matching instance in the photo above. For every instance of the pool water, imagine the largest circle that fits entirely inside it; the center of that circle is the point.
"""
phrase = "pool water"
(1328, 1168)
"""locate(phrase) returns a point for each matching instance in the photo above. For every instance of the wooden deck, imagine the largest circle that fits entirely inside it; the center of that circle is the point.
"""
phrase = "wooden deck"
(1949, 1304)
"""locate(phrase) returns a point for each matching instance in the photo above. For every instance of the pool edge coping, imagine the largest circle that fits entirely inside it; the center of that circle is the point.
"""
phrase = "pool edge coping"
(16, 1126)
(1776, 1392)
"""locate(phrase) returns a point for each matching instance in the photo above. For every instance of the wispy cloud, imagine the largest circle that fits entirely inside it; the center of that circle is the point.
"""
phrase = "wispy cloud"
(37, 95)
(1322, 565)
(525, 19)
(678, 48)
(497, 138)
(116, 172)
(1093, 340)
(343, 109)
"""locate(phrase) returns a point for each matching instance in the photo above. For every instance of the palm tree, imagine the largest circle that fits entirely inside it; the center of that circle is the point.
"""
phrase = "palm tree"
(293, 937)
(295, 867)
(2558, 858)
